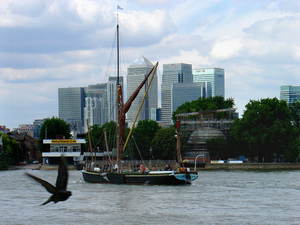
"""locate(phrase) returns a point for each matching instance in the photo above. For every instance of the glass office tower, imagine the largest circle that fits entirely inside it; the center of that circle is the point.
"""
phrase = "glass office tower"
(136, 73)
(290, 93)
(187, 92)
(70, 106)
(172, 73)
(215, 76)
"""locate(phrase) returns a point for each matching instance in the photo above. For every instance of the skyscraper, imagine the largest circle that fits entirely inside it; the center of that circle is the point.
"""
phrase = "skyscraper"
(70, 106)
(92, 111)
(213, 75)
(172, 73)
(290, 93)
(186, 92)
(112, 98)
(136, 73)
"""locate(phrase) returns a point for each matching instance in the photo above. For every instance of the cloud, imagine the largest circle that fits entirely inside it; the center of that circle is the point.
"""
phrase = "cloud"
(45, 45)
(59, 26)
(140, 28)
(227, 48)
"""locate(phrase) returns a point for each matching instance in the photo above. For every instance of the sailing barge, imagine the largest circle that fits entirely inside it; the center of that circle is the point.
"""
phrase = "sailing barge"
(182, 176)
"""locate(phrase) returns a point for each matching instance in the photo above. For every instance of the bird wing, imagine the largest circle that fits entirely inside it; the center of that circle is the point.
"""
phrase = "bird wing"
(62, 176)
(46, 184)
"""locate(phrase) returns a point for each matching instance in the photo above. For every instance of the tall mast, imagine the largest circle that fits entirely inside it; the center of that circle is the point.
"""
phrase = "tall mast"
(90, 142)
(118, 55)
(119, 100)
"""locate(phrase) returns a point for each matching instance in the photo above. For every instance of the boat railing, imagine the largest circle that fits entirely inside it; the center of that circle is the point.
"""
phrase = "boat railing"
(134, 165)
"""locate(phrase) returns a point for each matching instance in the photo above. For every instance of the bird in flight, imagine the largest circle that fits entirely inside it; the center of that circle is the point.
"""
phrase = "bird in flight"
(59, 192)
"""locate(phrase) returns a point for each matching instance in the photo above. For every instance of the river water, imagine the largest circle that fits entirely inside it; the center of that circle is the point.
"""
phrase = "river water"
(216, 197)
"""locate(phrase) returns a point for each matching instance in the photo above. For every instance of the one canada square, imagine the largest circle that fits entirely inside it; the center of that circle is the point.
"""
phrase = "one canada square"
(136, 73)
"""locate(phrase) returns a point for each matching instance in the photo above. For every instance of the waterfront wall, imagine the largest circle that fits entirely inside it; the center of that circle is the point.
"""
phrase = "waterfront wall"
(208, 166)
(251, 166)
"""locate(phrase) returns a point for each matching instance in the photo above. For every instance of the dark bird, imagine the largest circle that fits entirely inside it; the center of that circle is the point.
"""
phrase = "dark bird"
(59, 193)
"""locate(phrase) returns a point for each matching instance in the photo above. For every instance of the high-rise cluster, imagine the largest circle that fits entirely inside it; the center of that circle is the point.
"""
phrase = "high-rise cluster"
(180, 83)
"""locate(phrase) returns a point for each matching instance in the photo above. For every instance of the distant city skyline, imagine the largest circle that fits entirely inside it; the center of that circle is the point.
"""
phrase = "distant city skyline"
(289, 93)
(46, 45)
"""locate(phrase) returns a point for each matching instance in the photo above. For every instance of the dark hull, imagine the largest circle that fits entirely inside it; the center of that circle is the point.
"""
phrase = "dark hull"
(160, 177)
(94, 177)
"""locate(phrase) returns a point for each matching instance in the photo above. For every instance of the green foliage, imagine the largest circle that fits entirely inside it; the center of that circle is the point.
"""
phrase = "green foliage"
(54, 127)
(98, 138)
(144, 134)
(164, 144)
(218, 148)
(10, 153)
(265, 131)
(205, 104)
(295, 113)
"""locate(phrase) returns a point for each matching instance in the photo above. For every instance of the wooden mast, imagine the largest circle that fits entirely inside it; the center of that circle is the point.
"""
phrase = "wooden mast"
(123, 108)
(106, 145)
(153, 73)
(178, 143)
(87, 123)
(119, 101)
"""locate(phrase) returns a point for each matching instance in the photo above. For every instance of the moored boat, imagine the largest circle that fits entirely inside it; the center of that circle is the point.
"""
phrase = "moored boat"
(117, 176)
(152, 177)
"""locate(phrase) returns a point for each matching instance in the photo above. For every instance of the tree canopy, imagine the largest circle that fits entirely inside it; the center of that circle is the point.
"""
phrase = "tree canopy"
(205, 104)
(295, 113)
(218, 148)
(98, 138)
(142, 137)
(52, 128)
(10, 153)
(165, 144)
(266, 131)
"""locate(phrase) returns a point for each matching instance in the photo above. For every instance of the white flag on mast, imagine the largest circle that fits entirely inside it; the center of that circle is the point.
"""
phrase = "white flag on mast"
(119, 7)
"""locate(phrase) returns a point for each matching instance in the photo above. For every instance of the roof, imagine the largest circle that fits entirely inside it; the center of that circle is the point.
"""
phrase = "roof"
(203, 134)
(141, 62)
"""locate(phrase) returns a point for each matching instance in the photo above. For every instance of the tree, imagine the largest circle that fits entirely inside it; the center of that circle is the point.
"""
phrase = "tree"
(10, 153)
(218, 148)
(205, 104)
(139, 144)
(95, 133)
(111, 133)
(295, 113)
(266, 131)
(98, 138)
(52, 128)
(164, 144)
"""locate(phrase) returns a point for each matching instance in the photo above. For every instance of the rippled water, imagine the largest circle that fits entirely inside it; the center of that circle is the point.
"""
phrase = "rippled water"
(216, 197)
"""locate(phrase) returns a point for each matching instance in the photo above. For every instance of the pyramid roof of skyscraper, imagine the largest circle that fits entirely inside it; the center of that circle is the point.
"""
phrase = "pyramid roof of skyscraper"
(141, 62)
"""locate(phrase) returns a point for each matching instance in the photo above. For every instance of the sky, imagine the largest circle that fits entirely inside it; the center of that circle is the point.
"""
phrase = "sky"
(46, 45)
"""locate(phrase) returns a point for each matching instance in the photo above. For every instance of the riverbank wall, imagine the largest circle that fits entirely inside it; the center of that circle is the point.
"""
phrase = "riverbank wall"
(208, 166)
(251, 166)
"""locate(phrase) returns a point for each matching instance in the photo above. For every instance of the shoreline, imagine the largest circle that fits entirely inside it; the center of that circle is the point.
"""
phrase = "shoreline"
(208, 166)
(251, 166)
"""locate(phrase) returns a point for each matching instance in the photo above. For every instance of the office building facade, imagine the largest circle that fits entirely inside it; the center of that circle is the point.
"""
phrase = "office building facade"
(290, 93)
(70, 106)
(214, 75)
(136, 73)
(112, 98)
(95, 103)
(92, 111)
(96, 107)
(172, 73)
(187, 92)
(156, 114)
